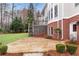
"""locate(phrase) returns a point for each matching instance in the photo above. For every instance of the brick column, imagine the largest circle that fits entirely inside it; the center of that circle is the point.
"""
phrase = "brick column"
(78, 32)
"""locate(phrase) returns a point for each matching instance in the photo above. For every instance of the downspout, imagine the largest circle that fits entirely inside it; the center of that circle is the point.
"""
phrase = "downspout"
(58, 18)
(62, 19)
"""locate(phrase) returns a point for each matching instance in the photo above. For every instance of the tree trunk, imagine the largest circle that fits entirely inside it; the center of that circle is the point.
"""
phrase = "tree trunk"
(1, 16)
(12, 10)
(29, 28)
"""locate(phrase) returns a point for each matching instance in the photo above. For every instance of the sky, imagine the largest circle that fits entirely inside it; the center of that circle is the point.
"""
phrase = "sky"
(38, 6)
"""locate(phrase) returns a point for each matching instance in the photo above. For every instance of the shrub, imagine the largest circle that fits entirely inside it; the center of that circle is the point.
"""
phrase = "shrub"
(71, 48)
(48, 37)
(16, 25)
(0, 43)
(3, 49)
(60, 48)
(30, 35)
(1, 30)
(58, 32)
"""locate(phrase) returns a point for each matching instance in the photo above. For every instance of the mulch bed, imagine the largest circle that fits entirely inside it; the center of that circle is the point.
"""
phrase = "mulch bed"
(55, 53)
(12, 54)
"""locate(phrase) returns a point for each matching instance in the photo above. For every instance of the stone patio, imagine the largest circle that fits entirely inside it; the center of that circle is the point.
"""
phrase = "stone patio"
(32, 44)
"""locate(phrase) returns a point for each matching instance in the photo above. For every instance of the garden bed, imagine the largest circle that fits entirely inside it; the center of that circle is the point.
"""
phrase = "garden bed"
(12, 54)
(55, 53)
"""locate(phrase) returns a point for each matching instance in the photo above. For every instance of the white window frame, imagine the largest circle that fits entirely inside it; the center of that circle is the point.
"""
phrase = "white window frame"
(51, 12)
(57, 11)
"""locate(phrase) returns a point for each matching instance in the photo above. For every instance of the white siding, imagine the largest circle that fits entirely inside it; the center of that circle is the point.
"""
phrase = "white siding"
(60, 11)
(75, 10)
(68, 10)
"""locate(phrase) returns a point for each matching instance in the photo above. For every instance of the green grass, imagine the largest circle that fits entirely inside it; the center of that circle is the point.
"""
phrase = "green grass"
(7, 38)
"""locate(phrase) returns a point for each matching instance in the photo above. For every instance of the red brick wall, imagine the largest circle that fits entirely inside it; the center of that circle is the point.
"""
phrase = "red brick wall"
(60, 23)
(54, 25)
(66, 24)
(74, 18)
(65, 29)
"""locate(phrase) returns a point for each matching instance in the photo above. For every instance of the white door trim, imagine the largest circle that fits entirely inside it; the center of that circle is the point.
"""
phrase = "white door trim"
(49, 31)
(72, 34)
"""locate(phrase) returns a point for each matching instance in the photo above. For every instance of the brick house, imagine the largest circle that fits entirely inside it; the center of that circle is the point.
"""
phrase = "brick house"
(61, 15)
(64, 16)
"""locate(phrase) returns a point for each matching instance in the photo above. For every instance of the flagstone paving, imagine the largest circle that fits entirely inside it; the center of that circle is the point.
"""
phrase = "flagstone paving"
(32, 44)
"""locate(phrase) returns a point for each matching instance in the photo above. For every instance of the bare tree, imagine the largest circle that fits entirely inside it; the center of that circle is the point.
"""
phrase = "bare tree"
(1, 14)
(4, 14)
(3, 8)
(13, 10)
(30, 18)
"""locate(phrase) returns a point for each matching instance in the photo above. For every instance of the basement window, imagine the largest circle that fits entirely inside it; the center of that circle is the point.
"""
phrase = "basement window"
(74, 27)
(51, 30)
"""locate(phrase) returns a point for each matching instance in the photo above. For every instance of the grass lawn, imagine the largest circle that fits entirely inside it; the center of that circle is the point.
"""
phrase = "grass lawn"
(7, 38)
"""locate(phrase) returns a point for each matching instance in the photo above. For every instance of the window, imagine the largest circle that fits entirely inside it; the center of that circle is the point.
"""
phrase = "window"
(74, 27)
(76, 4)
(51, 30)
(51, 12)
(56, 10)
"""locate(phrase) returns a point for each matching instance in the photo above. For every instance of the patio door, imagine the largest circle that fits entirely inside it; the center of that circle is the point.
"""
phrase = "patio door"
(73, 31)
